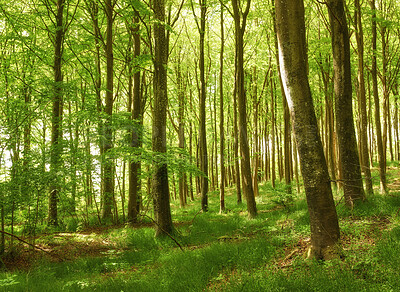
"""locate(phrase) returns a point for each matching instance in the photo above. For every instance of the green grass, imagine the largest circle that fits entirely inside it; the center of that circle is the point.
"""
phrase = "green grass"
(229, 252)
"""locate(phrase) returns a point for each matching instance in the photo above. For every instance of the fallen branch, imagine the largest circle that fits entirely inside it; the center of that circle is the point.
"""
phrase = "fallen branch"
(169, 235)
(20, 239)
(30, 244)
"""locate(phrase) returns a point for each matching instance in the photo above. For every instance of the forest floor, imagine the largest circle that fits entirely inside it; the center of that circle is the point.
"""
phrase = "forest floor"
(231, 252)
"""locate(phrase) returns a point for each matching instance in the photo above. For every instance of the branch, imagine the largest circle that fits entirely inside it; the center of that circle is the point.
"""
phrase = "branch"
(30, 244)
(169, 235)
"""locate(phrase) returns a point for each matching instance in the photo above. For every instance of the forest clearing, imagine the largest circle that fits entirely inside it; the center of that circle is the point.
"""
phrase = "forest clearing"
(194, 145)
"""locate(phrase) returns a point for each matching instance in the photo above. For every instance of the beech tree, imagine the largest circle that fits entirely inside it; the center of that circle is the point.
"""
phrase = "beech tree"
(240, 18)
(108, 175)
(56, 130)
(160, 186)
(324, 225)
(361, 93)
(348, 152)
(136, 135)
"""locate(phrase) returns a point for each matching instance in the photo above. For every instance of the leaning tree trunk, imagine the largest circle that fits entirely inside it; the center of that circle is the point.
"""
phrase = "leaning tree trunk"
(56, 118)
(293, 65)
(348, 152)
(160, 188)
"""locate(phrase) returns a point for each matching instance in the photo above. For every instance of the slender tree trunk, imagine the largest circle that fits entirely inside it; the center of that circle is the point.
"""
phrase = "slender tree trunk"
(181, 130)
(374, 75)
(3, 240)
(236, 146)
(385, 90)
(273, 122)
(256, 159)
(56, 136)
(221, 117)
(191, 186)
(293, 55)
(240, 25)
(160, 187)
(108, 177)
(136, 135)
(202, 110)
(215, 134)
(350, 162)
(98, 40)
(362, 100)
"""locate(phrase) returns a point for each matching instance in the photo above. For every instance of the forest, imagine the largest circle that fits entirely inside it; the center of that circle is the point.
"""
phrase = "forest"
(194, 145)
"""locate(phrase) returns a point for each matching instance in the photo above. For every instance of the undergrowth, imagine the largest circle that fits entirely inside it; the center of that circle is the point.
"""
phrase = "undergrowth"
(229, 252)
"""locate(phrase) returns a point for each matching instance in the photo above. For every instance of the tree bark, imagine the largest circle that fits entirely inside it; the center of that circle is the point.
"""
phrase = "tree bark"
(56, 120)
(160, 187)
(236, 145)
(374, 75)
(273, 134)
(202, 110)
(108, 176)
(350, 162)
(136, 135)
(293, 61)
(181, 131)
(221, 117)
(362, 100)
(240, 25)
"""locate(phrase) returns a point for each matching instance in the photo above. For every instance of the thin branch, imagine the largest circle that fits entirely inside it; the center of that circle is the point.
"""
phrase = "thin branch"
(169, 235)
(30, 244)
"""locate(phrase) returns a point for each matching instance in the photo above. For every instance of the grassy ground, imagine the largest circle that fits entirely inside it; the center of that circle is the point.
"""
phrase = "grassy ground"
(221, 252)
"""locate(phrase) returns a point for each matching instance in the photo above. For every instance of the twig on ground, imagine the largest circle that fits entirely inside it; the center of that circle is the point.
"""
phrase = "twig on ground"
(30, 244)
(167, 233)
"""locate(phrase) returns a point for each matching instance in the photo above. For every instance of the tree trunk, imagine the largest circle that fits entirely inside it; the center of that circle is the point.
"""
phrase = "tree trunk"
(293, 60)
(273, 122)
(362, 100)
(350, 162)
(136, 135)
(181, 130)
(108, 176)
(240, 25)
(2, 240)
(236, 146)
(256, 150)
(221, 117)
(56, 120)
(374, 75)
(202, 110)
(160, 187)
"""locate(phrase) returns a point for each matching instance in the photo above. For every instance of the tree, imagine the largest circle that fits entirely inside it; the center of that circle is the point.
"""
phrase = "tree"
(136, 135)
(348, 152)
(160, 187)
(108, 175)
(56, 120)
(202, 108)
(221, 116)
(374, 75)
(293, 66)
(362, 99)
(240, 18)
